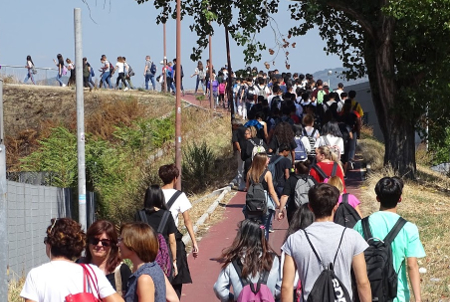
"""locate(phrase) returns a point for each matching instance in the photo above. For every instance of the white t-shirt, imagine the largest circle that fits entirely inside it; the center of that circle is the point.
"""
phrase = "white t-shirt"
(29, 64)
(120, 67)
(330, 140)
(181, 205)
(53, 281)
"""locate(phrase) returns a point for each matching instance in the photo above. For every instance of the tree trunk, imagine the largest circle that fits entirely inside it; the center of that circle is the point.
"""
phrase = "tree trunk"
(398, 132)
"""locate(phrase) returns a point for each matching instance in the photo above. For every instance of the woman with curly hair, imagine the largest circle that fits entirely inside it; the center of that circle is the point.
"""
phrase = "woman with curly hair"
(250, 254)
(61, 277)
(102, 251)
(283, 134)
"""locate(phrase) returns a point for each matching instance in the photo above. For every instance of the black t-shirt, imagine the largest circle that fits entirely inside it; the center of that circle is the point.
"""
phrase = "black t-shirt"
(125, 273)
(275, 144)
(280, 169)
(238, 135)
(154, 219)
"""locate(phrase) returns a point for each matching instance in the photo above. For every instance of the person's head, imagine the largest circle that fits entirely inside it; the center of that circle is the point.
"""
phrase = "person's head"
(65, 238)
(284, 149)
(124, 59)
(283, 131)
(323, 199)
(341, 86)
(319, 83)
(302, 167)
(102, 244)
(68, 61)
(147, 58)
(168, 173)
(352, 94)
(251, 246)
(252, 130)
(84, 60)
(259, 164)
(154, 197)
(332, 128)
(389, 191)
(336, 182)
(138, 238)
(276, 89)
(200, 65)
(302, 218)
(28, 58)
(60, 58)
(347, 106)
(260, 116)
(323, 153)
(344, 95)
(308, 120)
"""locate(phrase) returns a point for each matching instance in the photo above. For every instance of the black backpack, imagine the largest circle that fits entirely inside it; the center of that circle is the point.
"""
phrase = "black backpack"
(328, 287)
(346, 215)
(276, 100)
(256, 199)
(251, 93)
(380, 266)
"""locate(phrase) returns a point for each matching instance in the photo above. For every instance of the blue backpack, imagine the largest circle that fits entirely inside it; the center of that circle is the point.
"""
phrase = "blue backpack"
(272, 169)
(300, 150)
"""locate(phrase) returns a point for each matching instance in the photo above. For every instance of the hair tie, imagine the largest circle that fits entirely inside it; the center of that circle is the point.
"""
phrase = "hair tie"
(262, 227)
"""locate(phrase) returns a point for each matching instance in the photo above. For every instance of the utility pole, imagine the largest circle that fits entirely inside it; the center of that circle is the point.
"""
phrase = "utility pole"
(80, 120)
(3, 222)
(229, 80)
(210, 69)
(165, 57)
(178, 97)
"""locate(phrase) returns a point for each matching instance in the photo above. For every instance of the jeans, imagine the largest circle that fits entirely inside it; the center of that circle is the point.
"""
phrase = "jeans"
(91, 81)
(199, 82)
(267, 221)
(29, 76)
(352, 147)
(240, 182)
(106, 79)
(58, 78)
(150, 77)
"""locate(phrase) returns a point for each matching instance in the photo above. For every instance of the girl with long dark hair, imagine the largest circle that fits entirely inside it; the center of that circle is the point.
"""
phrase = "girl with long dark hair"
(61, 69)
(253, 255)
(283, 134)
(30, 70)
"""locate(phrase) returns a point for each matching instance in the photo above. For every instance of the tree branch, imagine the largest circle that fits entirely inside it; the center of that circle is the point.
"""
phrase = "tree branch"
(367, 27)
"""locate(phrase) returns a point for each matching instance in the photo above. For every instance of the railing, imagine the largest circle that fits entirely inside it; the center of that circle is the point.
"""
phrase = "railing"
(17, 73)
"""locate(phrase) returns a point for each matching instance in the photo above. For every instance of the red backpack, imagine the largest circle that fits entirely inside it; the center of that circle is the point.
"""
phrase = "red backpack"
(253, 292)
(90, 279)
(222, 88)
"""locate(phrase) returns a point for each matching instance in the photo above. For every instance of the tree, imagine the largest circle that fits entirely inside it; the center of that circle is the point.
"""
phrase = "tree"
(401, 45)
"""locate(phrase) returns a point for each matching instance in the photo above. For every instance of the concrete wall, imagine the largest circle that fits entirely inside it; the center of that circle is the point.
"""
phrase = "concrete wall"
(29, 210)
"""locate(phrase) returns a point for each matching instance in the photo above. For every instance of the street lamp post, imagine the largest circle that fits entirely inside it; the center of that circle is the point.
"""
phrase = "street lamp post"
(330, 72)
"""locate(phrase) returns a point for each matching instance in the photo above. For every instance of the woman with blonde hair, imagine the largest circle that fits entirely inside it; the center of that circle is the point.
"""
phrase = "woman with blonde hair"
(251, 144)
(351, 199)
(326, 166)
(259, 173)
(139, 243)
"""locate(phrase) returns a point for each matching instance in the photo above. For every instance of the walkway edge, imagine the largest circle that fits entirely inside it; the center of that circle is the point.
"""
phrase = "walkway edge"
(208, 212)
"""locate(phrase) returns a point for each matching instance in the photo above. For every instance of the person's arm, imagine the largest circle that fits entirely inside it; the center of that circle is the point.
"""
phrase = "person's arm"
(28, 300)
(414, 277)
(247, 183)
(145, 290)
(190, 229)
(223, 284)
(293, 159)
(362, 282)
(266, 135)
(173, 250)
(283, 201)
(273, 194)
(287, 174)
(145, 69)
(171, 295)
(287, 285)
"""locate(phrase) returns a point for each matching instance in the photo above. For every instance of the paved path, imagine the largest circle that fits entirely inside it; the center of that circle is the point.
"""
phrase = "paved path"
(205, 269)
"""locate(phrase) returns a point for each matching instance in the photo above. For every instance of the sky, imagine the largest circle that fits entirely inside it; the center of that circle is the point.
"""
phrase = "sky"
(43, 29)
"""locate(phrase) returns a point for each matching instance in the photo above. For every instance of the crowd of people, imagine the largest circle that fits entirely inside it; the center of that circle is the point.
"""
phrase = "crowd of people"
(152, 243)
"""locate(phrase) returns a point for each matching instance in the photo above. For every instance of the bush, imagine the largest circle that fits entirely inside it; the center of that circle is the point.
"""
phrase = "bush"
(198, 166)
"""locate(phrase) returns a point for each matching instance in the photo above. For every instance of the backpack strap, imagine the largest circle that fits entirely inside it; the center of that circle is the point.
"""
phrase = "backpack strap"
(333, 172)
(317, 255)
(366, 228)
(320, 171)
(345, 198)
(238, 267)
(339, 246)
(395, 230)
(163, 222)
(172, 199)
(253, 143)
(143, 216)
(277, 160)
(314, 250)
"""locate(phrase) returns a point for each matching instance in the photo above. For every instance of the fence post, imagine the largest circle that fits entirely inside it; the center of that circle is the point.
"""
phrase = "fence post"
(3, 222)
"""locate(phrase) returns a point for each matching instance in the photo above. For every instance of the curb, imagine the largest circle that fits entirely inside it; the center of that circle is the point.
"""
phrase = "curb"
(208, 212)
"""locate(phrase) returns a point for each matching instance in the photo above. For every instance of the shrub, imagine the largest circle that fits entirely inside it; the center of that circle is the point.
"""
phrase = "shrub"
(198, 166)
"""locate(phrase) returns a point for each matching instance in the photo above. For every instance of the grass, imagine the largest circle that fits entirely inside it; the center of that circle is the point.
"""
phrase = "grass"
(426, 203)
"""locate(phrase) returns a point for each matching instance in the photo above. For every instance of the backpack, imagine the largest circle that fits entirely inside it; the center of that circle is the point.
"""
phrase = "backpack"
(257, 148)
(64, 70)
(201, 74)
(300, 151)
(130, 71)
(302, 187)
(272, 168)
(256, 198)
(222, 88)
(163, 257)
(111, 68)
(249, 293)
(380, 266)
(92, 72)
(153, 68)
(334, 149)
(328, 287)
(346, 215)
(312, 140)
(251, 93)
(33, 70)
(276, 100)
(322, 173)
(89, 278)
(262, 92)
(320, 94)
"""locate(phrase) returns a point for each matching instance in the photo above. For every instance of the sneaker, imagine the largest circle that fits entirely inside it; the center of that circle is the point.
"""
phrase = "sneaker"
(271, 230)
(64, 85)
(126, 88)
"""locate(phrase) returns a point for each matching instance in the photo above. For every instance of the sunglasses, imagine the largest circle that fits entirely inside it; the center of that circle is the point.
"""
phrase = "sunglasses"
(105, 242)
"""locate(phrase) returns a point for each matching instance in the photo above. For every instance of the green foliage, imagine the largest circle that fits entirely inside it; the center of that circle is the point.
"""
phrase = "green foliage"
(198, 166)
(441, 151)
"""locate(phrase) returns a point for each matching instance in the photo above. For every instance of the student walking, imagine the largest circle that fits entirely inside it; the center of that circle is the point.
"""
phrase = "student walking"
(71, 68)
(120, 68)
(149, 73)
(31, 70)
(200, 74)
(105, 76)
(405, 247)
(62, 70)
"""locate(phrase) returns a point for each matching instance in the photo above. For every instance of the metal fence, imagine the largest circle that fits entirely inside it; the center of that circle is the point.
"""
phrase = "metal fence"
(17, 74)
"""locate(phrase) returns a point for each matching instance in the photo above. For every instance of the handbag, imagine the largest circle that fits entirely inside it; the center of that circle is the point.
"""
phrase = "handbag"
(90, 279)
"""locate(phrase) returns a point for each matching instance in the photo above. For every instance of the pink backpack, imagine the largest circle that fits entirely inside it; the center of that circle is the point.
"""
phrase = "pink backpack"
(253, 292)
(222, 88)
